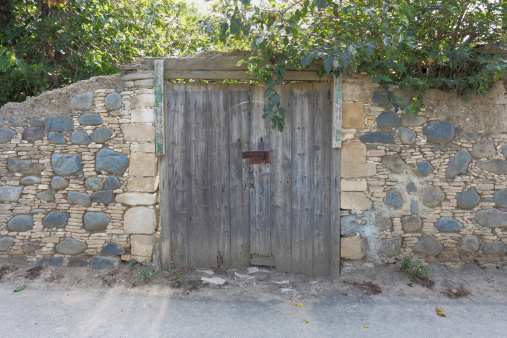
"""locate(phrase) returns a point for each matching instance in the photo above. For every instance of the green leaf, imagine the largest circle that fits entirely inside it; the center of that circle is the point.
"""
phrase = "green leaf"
(328, 64)
(20, 288)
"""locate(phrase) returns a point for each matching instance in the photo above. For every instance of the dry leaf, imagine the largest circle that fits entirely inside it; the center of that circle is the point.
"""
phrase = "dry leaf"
(300, 305)
(366, 326)
(345, 288)
(441, 312)
(305, 321)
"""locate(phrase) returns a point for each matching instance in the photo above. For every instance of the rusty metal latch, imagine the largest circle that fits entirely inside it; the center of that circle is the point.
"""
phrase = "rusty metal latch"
(257, 157)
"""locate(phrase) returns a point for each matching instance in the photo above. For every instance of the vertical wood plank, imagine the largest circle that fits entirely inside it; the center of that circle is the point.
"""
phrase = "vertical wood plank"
(322, 114)
(302, 179)
(197, 161)
(337, 112)
(159, 87)
(239, 141)
(335, 214)
(218, 166)
(260, 242)
(178, 189)
(281, 181)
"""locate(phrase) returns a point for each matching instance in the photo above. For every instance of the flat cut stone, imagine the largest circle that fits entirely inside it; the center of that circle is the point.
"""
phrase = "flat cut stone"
(352, 248)
(112, 249)
(6, 134)
(82, 102)
(112, 183)
(411, 223)
(20, 223)
(78, 198)
(90, 119)
(80, 138)
(412, 120)
(30, 180)
(376, 137)
(95, 221)
(496, 166)
(390, 247)
(113, 101)
(353, 92)
(352, 115)
(60, 123)
(66, 165)
(433, 196)
(494, 249)
(24, 167)
(6, 243)
(468, 245)
(57, 138)
(101, 134)
(59, 183)
(484, 148)
(69, 246)
(48, 196)
(352, 152)
(491, 218)
(33, 134)
(394, 163)
(138, 132)
(388, 119)
(394, 198)
(56, 219)
(439, 132)
(428, 245)
(468, 199)
(357, 170)
(407, 136)
(139, 220)
(10, 194)
(29, 247)
(353, 185)
(447, 224)
(425, 168)
(104, 196)
(500, 198)
(354, 201)
(458, 164)
(133, 198)
(141, 247)
(111, 161)
(144, 165)
(94, 183)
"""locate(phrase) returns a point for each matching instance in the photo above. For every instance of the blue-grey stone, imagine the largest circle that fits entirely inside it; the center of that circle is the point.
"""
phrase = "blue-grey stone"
(1, 122)
(111, 161)
(66, 164)
(468, 199)
(69, 246)
(17, 260)
(78, 198)
(484, 148)
(55, 261)
(394, 198)
(10, 194)
(56, 137)
(112, 249)
(439, 132)
(36, 123)
(29, 247)
(432, 196)
(17, 123)
(388, 119)
(494, 249)
(458, 164)
(468, 245)
(491, 218)
(407, 136)
(94, 183)
(78, 263)
(414, 208)
(100, 262)
(411, 188)
(6, 243)
(101, 134)
(496, 166)
(113, 101)
(60, 123)
(59, 183)
(425, 168)
(383, 222)
(24, 167)
(6, 134)
(48, 196)
(447, 224)
(412, 120)
(376, 137)
(95, 221)
(56, 219)
(78, 137)
(33, 134)
(104, 196)
(500, 198)
(504, 150)
(470, 267)
(394, 163)
(411, 223)
(436, 268)
(428, 245)
(390, 247)
(82, 101)
(30, 180)
(112, 183)
(435, 149)
(20, 223)
(379, 98)
(90, 119)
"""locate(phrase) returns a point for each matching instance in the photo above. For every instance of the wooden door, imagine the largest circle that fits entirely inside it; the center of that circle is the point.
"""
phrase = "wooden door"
(225, 211)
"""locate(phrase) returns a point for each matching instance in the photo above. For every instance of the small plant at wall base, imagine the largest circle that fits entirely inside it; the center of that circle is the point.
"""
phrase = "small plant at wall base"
(413, 270)
(144, 272)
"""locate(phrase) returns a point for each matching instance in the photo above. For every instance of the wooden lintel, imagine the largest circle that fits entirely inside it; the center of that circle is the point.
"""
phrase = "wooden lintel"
(239, 75)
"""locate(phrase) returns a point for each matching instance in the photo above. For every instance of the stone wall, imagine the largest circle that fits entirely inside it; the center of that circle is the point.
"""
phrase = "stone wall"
(431, 186)
(78, 173)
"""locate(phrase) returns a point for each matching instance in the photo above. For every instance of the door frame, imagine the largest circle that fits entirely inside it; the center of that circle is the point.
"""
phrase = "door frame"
(223, 66)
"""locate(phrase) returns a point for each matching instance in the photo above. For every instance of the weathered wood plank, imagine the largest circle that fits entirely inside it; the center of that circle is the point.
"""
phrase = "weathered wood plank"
(240, 75)
(322, 114)
(197, 161)
(218, 166)
(337, 113)
(160, 105)
(281, 197)
(239, 141)
(302, 179)
(260, 242)
(178, 192)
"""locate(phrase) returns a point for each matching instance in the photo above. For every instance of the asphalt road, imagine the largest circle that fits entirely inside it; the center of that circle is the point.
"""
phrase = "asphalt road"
(166, 313)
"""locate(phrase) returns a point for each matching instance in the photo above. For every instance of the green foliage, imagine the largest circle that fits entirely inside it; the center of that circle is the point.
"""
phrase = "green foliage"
(416, 270)
(410, 44)
(143, 271)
